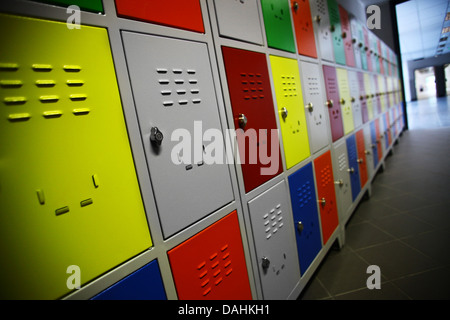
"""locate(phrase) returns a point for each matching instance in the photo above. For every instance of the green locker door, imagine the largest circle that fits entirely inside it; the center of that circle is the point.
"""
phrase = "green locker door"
(291, 110)
(336, 31)
(278, 25)
(88, 5)
(69, 194)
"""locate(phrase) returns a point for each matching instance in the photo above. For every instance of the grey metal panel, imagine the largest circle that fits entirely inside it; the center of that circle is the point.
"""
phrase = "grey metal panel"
(368, 151)
(173, 88)
(273, 234)
(321, 20)
(313, 94)
(342, 179)
(239, 19)
(354, 93)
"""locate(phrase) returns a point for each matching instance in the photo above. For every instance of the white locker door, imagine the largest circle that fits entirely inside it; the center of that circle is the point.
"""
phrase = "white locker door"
(354, 93)
(342, 179)
(321, 20)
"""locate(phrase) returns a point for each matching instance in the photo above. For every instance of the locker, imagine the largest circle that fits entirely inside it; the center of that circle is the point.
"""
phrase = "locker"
(326, 196)
(304, 28)
(376, 92)
(342, 179)
(369, 151)
(306, 218)
(65, 187)
(321, 19)
(362, 46)
(380, 57)
(374, 55)
(278, 25)
(239, 20)
(376, 142)
(143, 284)
(314, 99)
(211, 264)
(367, 49)
(336, 32)
(175, 100)
(381, 93)
(345, 100)
(369, 95)
(362, 163)
(271, 221)
(353, 161)
(347, 37)
(362, 97)
(182, 14)
(357, 41)
(252, 104)
(288, 91)
(333, 103)
(88, 5)
(355, 101)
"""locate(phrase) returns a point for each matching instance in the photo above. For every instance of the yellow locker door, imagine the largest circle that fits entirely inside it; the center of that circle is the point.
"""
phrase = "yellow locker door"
(69, 194)
(291, 110)
(346, 103)
(369, 93)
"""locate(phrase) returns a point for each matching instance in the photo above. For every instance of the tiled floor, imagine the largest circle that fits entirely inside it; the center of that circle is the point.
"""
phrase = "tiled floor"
(404, 227)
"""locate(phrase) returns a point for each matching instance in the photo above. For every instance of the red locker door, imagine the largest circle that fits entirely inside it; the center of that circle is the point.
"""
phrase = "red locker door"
(347, 37)
(378, 140)
(211, 264)
(304, 30)
(183, 14)
(360, 147)
(252, 104)
(326, 195)
(333, 104)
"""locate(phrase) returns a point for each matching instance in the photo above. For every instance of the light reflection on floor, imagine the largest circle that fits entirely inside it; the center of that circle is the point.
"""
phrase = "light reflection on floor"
(429, 113)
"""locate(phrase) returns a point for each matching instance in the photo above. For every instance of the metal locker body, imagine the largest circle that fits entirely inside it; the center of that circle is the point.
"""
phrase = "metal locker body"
(314, 99)
(326, 197)
(333, 104)
(183, 14)
(143, 284)
(306, 217)
(347, 37)
(173, 90)
(380, 57)
(363, 46)
(321, 21)
(367, 48)
(342, 183)
(362, 162)
(304, 28)
(376, 147)
(252, 105)
(69, 192)
(278, 25)
(276, 255)
(379, 139)
(336, 32)
(88, 5)
(353, 164)
(369, 94)
(355, 98)
(211, 264)
(363, 97)
(387, 128)
(381, 92)
(357, 40)
(239, 20)
(345, 100)
(376, 90)
(374, 54)
(369, 151)
(291, 111)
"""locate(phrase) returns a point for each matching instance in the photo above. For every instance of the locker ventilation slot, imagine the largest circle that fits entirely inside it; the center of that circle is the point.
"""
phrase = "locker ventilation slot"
(215, 269)
(273, 221)
(179, 82)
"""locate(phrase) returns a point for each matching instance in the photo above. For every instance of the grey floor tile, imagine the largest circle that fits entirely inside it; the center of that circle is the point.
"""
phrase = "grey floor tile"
(364, 235)
(407, 202)
(437, 215)
(402, 225)
(435, 244)
(314, 291)
(387, 291)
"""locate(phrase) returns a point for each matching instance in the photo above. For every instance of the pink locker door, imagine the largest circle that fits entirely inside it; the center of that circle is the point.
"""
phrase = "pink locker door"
(333, 104)
(347, 36)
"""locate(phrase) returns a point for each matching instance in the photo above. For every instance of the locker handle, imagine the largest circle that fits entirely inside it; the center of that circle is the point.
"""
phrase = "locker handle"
(265, 263)
(360, 160)
(300, 227)
(156, 136)
(344, 34)
(242, 120)
(353, 99)
(342, 101)
(329, 103)
(295, 6)
(317, 18)
(339, 182)
(332, 28)
(366, 151)
(351, 170)
(284, 112)
(310, 107)
(322, 201)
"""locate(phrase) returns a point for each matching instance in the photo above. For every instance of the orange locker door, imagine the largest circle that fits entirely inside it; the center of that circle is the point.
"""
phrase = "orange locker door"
(304, 29)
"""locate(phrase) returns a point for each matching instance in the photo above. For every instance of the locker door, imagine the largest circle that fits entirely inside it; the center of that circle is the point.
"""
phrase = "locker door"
(345, 100)
(354, 93)
(88, 5)
(272, 229)
(211, 264)
(326, 196)
(352, 153)
(65, 187)
(278, 25)
(369, 151)
(347, 37)
(333, 104)
(143, 284)
(183, 14)
(288, 91)
(304, 29)
(306, 218)
(376, 92)
(239, 20)
(362, 163)
(381, 93)
(362, 97)
(362, 46)
(174, 95)
(376, 146)
(342, 178)
(356, 41)
(367, 49)
(321, 19)
(369, 93)
(252, 104)
(380, 56)
(314, 99)
(336, 32)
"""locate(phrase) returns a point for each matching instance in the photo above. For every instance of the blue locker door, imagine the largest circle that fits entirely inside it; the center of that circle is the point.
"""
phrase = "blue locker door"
(353, 166)
(373, 135)
(143, 284)
(306, 219)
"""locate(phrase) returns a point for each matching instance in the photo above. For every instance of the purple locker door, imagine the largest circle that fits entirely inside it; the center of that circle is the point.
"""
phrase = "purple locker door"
(333, 104)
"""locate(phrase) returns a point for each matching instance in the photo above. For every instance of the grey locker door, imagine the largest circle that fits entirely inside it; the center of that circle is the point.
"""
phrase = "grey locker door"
(368, 151)
(274, 238)
(173, 89)
(354, 93)
(239, 20)
(321, 20)
(342, 179)
(314, 100)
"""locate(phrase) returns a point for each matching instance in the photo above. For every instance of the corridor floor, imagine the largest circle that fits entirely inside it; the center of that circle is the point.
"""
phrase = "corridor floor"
(404, 226)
